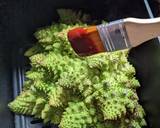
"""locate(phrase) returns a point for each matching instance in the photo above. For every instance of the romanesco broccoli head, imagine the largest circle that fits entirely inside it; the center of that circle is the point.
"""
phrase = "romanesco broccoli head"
(75, 92)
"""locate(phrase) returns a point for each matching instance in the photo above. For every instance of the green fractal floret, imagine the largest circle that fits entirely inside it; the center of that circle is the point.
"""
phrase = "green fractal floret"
(73, 92)
(77, 115)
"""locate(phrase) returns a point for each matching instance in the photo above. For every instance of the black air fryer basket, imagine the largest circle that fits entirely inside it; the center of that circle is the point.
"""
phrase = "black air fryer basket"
(21, 18)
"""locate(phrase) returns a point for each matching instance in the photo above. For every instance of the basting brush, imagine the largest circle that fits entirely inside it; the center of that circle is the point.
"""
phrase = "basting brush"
(116, 35)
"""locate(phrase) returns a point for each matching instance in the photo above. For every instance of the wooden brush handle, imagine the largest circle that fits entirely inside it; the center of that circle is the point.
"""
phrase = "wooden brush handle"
(141, 30)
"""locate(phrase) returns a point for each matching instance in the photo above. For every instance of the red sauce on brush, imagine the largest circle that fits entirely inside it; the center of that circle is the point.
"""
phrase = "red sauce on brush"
(85, 41)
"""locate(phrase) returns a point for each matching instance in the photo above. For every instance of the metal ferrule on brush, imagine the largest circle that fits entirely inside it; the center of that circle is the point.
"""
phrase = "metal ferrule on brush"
(114, 36)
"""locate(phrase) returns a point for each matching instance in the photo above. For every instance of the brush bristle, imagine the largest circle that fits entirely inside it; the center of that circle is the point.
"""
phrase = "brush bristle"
(85, 41)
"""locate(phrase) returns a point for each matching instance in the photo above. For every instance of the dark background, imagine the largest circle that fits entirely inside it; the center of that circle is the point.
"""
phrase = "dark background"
(19, 19)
